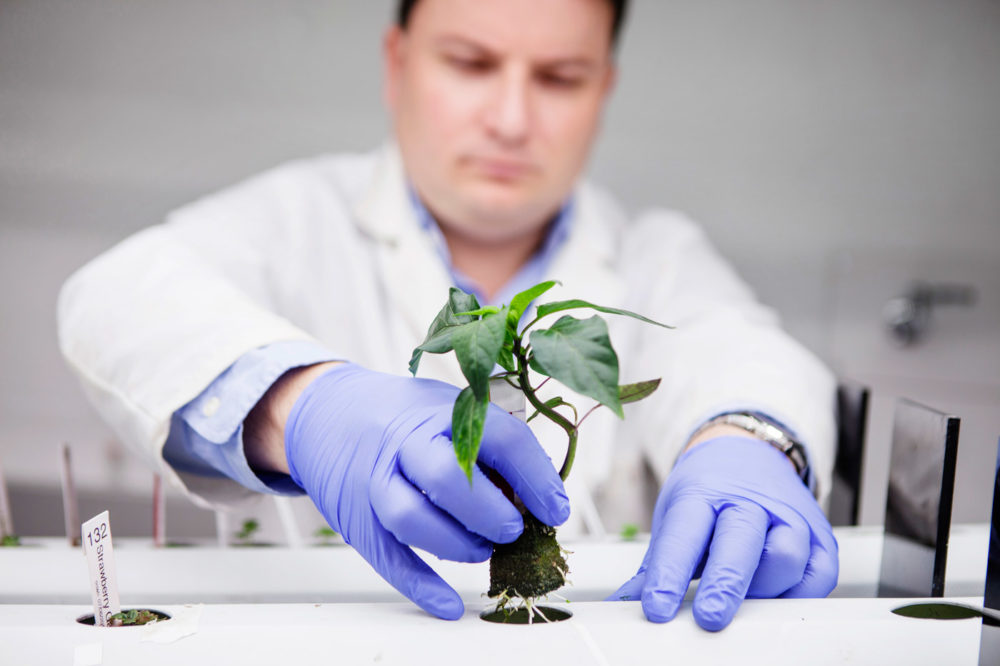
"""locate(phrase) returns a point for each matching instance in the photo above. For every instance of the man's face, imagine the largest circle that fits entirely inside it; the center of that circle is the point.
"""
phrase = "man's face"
(495, 104)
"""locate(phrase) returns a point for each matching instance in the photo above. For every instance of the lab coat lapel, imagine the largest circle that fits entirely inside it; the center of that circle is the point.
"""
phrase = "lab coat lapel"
(415, 280)
(586, 263)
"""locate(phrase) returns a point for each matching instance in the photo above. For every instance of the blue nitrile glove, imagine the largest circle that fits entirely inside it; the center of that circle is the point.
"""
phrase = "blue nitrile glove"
(374, 453)
(734, 511)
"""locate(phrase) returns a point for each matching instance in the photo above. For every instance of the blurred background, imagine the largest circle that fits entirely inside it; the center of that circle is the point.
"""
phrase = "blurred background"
(838, 153)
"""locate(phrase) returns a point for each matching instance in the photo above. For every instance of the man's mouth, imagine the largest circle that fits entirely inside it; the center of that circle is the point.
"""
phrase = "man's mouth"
(502, 169)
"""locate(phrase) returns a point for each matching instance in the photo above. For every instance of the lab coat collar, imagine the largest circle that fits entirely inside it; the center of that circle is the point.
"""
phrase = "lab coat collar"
(586, 265)
(416, 280)
(383, 212)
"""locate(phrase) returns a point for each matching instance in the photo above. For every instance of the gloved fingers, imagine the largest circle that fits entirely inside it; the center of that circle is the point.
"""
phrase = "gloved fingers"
(413, 520)
(700, 569)
(409, 574)
(822, 570)
(674, 552)
(783, 562)
(481, 507)
(631, 590)
(737, 544)
(510, 448)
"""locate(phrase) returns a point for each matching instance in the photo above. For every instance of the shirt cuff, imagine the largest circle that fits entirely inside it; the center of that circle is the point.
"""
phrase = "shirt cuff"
(206, 435)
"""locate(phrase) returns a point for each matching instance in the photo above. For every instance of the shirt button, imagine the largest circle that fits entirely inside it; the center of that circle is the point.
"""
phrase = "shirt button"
(211, 406)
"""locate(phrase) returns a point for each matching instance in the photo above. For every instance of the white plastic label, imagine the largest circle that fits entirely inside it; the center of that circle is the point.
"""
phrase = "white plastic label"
(98, 549)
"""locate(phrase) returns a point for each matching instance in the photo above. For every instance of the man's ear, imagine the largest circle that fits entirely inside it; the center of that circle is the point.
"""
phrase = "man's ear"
(393, 53)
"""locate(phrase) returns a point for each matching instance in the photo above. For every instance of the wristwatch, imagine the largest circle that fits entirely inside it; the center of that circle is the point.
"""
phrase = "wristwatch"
(770, 431)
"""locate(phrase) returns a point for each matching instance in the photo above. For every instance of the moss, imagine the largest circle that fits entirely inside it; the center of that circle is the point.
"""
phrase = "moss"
(530, 567)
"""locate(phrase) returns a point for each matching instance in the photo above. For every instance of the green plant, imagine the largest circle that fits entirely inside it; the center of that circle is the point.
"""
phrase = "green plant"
(629, 532)
(325, 534)
(135, 616)
(575, 352)
(10, 540)
(247, 530)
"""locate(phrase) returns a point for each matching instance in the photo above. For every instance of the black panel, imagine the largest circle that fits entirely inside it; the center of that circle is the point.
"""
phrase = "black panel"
(918, 503)
(989, 646)
(852, 419)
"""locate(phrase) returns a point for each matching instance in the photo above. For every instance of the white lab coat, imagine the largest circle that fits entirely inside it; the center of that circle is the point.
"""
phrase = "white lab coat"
(329, 249)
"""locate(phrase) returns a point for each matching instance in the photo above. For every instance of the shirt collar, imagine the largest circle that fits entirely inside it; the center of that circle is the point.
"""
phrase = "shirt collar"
(531, 273)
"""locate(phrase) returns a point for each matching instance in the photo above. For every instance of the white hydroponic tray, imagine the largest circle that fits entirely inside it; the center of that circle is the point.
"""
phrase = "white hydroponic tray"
(770, 632)
(50, 572)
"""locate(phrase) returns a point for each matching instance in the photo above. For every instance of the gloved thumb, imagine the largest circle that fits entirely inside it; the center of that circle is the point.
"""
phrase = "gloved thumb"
(631, 590)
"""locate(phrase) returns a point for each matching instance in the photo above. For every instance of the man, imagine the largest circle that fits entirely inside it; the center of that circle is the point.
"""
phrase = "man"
(262, 334)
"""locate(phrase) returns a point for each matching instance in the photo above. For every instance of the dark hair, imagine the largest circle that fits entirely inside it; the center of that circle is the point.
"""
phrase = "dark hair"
(618, 9)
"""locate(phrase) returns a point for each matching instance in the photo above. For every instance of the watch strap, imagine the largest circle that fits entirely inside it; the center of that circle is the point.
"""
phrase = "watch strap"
(768, 430)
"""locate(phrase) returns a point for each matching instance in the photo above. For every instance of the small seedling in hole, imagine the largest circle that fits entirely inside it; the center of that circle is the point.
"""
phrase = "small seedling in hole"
(630, 531)
(10, 540)
(247, 530)
(576, 353)
(134, 617)
(326, 535)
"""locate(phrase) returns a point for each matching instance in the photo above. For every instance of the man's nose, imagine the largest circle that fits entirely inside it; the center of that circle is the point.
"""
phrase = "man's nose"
(508, 117)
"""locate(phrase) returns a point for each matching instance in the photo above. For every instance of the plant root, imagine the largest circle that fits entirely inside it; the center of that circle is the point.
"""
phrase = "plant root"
(509, 605)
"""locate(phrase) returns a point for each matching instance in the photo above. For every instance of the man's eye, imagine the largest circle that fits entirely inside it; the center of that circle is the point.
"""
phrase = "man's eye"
(471, 65)
(557, 81)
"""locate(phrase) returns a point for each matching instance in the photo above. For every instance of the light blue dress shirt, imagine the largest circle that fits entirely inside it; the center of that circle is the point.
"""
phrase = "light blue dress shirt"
(206, 435)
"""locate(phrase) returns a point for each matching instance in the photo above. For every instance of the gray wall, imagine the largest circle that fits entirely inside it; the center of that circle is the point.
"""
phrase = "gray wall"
(834, 150)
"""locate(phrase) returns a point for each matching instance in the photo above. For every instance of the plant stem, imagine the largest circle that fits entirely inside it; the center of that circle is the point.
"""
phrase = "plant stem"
(551, 414)
(570, 455)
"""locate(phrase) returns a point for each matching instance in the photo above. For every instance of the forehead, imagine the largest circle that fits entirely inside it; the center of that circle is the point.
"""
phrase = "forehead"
(542, 29)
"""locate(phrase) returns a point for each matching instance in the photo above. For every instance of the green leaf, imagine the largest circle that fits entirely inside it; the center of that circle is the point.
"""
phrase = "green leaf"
(438, 339)
(578, 353)
(467, 419)
(559, 306)
(506, 356)
(489, 309)
(552, 403)
(521, 301)
(636, 392)
(477, 345)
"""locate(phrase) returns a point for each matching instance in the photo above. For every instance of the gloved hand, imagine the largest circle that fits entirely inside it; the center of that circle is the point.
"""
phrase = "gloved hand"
(733, 511)
(374, 453)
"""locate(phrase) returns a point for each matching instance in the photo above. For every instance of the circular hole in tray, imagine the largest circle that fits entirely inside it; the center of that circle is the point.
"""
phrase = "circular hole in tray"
(520, 616)
(938, 611)
(88, 619)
